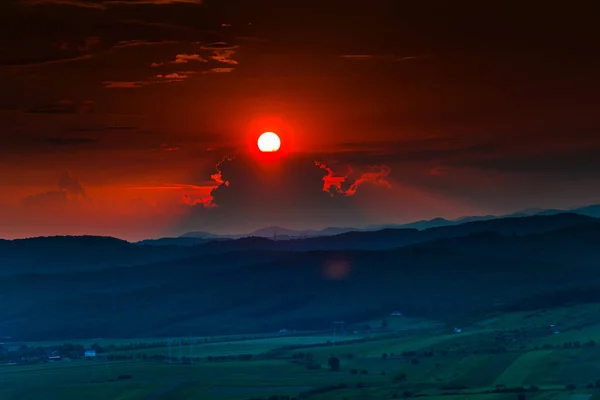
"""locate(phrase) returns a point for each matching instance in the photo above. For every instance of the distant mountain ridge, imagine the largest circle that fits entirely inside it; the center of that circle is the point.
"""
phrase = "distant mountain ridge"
(273, 232)
(70, 254)
(280, 233)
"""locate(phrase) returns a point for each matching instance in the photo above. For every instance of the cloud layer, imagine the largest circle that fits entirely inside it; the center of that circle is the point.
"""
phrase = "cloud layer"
(295, 191)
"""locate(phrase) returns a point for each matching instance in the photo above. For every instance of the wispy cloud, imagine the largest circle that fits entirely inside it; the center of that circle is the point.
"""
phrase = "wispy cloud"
(103, 4)
(75, 3)
(166, 147)
(174, 77)
(358, 56)
(218, 46)
(63, 107)
(224, 56)
(25, 63)
(218, 70)
(388, 57)
(123, 84)
(181, 59)
(102, 129)
(160, 78)
(156, 2)
(185, 58)
(135, 43)
(58, 141)
(173, 186)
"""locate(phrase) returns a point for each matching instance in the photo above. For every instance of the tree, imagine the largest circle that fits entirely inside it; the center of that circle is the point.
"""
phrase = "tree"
(334, 363)
(384, 323)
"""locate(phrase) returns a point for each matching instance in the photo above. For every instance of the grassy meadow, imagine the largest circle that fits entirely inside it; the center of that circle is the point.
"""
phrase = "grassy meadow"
(490, 360)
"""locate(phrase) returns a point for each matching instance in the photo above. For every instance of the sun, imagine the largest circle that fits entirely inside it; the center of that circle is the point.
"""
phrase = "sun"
(269, 142)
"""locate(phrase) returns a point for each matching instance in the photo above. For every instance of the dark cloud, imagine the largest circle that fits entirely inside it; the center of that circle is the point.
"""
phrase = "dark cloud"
(581, 163)
(103, 4)
(40, 62)
(123, 84)
(103, 128)
(139, 42)
(293, 191)
(51, 198)
(387, 57)
(75, 3)
(70, 185)
(63, 107)
(434, 150)
(218, 46)
(69, 190)
(58, 141)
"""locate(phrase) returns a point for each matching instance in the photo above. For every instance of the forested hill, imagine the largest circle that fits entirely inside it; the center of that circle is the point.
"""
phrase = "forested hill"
(258, 290)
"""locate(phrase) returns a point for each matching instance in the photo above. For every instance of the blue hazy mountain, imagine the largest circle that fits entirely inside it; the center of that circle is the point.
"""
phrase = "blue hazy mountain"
(281, 233)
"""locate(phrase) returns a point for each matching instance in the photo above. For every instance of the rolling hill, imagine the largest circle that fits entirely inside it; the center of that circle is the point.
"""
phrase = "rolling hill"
(444, 278)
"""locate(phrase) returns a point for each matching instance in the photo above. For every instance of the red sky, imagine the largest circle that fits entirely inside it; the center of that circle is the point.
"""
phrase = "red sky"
(122, 117)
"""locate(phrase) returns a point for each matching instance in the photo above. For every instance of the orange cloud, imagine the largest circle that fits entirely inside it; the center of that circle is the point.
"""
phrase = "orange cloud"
(336, 183)
(181, 59)
(184, 58)
(166, 147)
(173, 77)
(377, 175)
(224, 56)
(219, 70)
(208, 201)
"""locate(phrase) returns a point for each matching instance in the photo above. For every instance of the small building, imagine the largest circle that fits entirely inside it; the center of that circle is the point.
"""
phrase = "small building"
(396, 314)
(89, 353)
(457, 330)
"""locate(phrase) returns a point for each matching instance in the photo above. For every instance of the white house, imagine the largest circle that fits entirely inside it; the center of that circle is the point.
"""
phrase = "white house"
(396, 314)
(89, 353)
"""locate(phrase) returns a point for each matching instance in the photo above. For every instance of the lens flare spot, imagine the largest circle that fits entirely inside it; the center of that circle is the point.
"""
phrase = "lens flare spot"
(336, 270)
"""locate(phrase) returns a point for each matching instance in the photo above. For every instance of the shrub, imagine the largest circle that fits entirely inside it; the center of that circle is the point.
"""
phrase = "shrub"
(401, 377)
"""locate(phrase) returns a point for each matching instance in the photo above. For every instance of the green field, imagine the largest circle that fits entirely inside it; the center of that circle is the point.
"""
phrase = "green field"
(430, 361)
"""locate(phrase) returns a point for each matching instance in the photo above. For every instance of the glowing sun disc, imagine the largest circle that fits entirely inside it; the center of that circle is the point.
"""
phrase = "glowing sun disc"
(269, 142)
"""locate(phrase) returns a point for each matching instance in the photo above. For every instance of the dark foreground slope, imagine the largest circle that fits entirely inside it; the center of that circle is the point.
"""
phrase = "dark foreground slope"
(264, 291)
